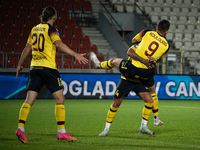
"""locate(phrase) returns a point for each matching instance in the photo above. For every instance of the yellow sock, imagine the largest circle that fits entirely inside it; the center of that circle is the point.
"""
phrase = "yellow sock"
(23, 114)
(155, 104)
(111, 114)
(105, 65)
(60, 115)
(147, 111)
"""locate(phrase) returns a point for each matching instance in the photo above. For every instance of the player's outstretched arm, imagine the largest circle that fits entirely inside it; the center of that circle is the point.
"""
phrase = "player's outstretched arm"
(153, 64)
(63, 47)
(23, 56)
(134, 41)
(132, 54)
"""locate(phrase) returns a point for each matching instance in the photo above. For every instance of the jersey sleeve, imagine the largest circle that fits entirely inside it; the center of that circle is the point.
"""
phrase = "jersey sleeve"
(134, 47)
(139, 36)
(54, 34)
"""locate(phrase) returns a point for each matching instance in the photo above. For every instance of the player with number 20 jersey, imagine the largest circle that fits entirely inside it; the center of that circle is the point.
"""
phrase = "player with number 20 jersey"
(43, 51)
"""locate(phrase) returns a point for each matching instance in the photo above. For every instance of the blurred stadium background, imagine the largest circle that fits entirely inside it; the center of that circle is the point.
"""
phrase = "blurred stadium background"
(105, 27)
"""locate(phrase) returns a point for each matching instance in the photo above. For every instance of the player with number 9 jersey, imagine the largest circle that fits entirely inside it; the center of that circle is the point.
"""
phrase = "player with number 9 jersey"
(43, 51)
(151, 44)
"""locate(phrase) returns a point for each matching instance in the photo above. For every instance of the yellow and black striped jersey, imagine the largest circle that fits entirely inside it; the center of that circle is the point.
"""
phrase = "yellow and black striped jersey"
(42, 38)
(151, 44)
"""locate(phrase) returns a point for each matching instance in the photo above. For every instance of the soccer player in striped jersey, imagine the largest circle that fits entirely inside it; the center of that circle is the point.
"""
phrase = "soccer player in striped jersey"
(43, 41)
(137, 73)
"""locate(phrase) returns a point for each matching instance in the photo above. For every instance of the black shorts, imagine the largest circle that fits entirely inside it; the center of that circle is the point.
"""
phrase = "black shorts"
(39, 76)
(125, 86)
(130, 71)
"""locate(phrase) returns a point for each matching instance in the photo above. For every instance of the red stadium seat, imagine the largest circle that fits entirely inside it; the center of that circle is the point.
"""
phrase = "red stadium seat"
(100, 57)
(5, 4)
(68, 58)
(82, 49)
(25, 32)
(26, 5)
(67, 33)
(27, 63)
(16, 4)
(33, 14)
(63, 15)
(68, 7)
(22, 41)
(7, 22)
(84, 39)
(68, 61)
(18, 49)
(11, 41)
(58, 6)
(1, 60)
(23, 13)
(77, 32)
(75, 65)
(93, 48)
(84, 66)
(47, 3)
(71, 23)
(80, 1)
(75, 42)
(59, 61)
(85, 42)
(87, 7)
(2, 40)
(19, 23)
(66, 41)
(12, 13)
(3, 13)
(77, 7)
(12, 61)
(67, 65)
(37, 5)
(4, 32)
(7, 49)
(29, 23)
(15, 32)
(72, 47)
(61, 25)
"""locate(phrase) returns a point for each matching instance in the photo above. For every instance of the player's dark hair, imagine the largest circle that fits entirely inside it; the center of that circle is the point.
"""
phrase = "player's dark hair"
(163, 26)
(47, 14)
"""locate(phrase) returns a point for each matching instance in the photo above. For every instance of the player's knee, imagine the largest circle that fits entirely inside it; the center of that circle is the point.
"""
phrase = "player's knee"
(149, 100)
(112, 61)
(60, 99)
(116, 103)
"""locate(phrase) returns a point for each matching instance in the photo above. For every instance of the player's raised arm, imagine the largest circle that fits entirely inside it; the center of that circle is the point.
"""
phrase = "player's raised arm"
(132, 54)
(134, 41)
(63, 47)
(23, 56)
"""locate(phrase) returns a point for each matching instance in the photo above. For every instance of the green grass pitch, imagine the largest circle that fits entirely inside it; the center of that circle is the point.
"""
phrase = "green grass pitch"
(85, 119)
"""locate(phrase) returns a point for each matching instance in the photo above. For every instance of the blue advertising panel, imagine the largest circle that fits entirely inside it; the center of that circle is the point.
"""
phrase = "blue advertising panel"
(103, 86)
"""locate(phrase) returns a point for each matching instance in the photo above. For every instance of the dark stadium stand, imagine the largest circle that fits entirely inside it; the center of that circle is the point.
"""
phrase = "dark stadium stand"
(19, 16)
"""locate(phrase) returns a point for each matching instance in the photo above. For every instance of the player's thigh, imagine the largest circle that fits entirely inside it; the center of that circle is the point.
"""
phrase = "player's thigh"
(117, 102)
(31, 97)
(52, 79)
(35, 81)
(152, 89)
(123, 88)
(146, 96)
